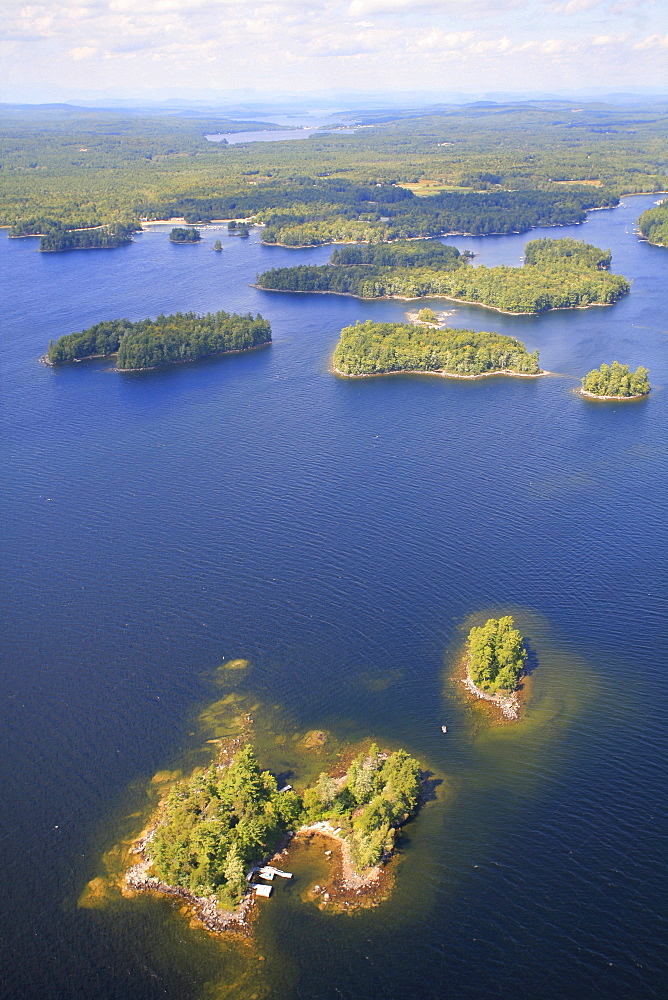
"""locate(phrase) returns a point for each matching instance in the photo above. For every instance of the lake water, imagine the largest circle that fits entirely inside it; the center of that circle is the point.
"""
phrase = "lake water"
(339, 534)
(234, 138)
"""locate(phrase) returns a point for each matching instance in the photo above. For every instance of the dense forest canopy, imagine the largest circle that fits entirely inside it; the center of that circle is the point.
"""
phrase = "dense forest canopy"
(111, 166)
(116, 235)
(653, 225)
(496, 655)
(557, 274)
(617, 380)
(381, 348)
(219, 823)
(187, 235)
(224, 820)
(149, 343)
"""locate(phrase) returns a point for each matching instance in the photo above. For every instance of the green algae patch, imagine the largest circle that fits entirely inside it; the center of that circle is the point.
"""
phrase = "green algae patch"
(235, 665)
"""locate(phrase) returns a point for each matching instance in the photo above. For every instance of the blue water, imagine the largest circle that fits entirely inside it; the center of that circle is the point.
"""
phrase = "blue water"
(338, 534)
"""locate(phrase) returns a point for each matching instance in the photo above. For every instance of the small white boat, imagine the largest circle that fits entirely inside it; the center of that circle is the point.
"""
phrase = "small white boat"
(444, 729)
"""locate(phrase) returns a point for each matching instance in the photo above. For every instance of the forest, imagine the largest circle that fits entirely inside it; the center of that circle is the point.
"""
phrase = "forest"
(57, 238)
(653, 225)
(222, 821)
(617, 380)
(496, 168)
(496, 656)
(150, 343)
(382, 348)
(557, 274)
(184, 235)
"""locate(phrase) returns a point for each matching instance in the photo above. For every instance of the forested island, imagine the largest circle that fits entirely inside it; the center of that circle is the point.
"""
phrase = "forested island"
(557, 274)
(150, 343)
(184, 235)
(217, 828)
(384, 348)
(495, 661)
(653, 225)
(55, 237)
(616, 381)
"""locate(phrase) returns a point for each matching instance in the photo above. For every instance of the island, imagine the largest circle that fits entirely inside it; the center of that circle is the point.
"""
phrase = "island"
(217, 245)
(616, 381)
(369, 348)
(215, 838)
(653, 225)
(166, 340)
(557, 274)
(495, 661)
(58, 238)
(181, 234)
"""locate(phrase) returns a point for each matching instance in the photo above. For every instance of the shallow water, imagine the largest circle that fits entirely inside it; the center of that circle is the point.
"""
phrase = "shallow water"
(338, 534)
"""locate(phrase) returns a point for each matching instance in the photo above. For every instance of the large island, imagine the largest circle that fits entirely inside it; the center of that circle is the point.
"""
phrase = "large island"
(216, 834)
(150, 343)
(557, 274)
(407, 348)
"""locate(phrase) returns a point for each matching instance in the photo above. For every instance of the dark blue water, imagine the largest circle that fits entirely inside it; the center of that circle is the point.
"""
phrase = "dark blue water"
(338, 534)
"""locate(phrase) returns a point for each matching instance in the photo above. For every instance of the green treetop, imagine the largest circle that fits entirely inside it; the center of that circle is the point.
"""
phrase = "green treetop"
(184, 235)
(496, 655)
(617, 380)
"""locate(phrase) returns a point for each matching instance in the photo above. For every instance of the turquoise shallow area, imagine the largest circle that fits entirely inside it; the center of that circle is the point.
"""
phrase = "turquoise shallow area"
(338, 534)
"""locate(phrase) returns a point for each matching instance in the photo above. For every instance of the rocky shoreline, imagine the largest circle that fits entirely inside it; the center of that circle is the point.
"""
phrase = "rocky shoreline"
(508, 704)
(618, 399)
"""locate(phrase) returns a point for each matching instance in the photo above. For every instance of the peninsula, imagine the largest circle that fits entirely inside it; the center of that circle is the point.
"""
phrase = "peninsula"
(56, 237)
(370, 348)
(557, 274)
(616, 381)
(495, 659)
(166, 340)
(217, 829)
(653, 225)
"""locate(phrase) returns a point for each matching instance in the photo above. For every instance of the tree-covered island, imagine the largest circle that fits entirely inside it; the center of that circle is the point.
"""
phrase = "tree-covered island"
(181, 234)
(55, 236)
(495, 660)
(150, 343)
(218, 827)
(616, 381)
(653, 225)
(557, 274)
(384, 348)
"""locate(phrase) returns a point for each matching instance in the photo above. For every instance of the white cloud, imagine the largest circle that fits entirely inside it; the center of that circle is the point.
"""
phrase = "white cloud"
(652, 42)
(84, 52)
(304, 45)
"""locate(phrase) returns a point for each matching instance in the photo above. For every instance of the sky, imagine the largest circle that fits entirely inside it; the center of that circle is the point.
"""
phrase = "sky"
(159, 49)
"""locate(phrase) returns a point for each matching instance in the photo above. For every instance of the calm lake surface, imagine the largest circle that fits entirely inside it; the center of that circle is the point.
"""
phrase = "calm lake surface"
(339, 534)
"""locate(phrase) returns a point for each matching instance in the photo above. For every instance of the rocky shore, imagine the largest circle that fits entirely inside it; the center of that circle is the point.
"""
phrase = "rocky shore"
(206, 909)
(508, 704)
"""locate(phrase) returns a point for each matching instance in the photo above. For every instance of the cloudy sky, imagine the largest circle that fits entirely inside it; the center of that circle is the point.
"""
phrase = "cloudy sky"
(165, 48)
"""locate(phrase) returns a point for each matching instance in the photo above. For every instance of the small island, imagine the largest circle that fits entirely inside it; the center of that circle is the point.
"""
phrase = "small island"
(557, 274)
(616, 381)
(216, 835)
(369, 348)
(166, 340)
(185, 234)
(495, 660)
